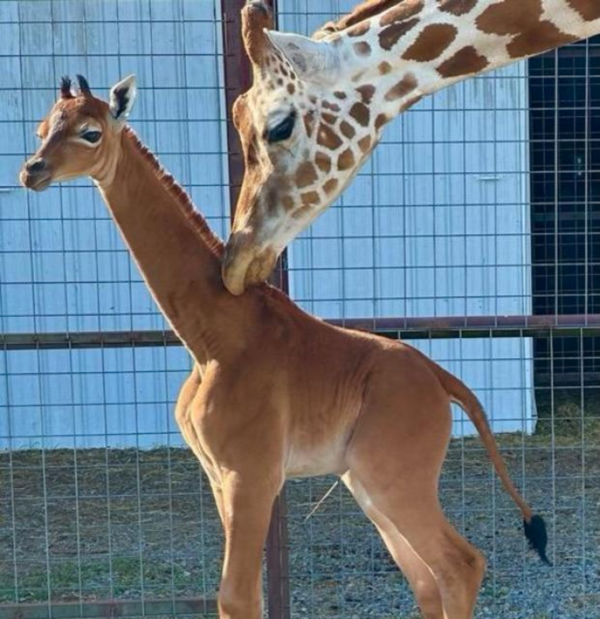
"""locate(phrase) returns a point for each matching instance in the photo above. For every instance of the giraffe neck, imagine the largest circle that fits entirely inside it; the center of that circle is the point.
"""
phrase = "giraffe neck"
(420, 46)
(174, 249)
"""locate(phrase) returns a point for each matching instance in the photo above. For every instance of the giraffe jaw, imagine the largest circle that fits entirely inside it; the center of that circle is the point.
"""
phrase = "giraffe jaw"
(244, 266)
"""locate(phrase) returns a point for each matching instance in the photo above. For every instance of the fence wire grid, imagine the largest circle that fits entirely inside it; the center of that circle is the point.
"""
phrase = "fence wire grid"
(473, 233)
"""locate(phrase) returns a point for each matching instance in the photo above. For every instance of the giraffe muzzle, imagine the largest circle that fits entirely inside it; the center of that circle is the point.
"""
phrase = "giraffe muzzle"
(244, 265)
(35, 174)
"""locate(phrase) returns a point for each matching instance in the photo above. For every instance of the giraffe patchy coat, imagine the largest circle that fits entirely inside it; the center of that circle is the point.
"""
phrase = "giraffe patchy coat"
(317, 107)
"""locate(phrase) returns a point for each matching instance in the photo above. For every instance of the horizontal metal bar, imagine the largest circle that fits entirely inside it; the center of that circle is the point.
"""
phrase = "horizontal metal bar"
(436, 327)
(110, 608)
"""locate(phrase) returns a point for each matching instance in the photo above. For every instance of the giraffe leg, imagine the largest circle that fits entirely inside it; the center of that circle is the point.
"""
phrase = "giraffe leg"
(396, 454)
(456, 566)
(247, 505)
(419, 576)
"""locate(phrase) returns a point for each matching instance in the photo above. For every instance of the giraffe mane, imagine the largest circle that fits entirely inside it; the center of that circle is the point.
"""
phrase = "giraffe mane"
(212, 241)
(199, 224)
(365, 10)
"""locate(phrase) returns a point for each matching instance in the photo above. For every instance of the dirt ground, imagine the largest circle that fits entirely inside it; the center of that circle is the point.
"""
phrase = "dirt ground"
(98, 524)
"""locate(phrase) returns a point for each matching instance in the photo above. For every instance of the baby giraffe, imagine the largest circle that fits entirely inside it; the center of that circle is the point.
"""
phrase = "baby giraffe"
(274, 392)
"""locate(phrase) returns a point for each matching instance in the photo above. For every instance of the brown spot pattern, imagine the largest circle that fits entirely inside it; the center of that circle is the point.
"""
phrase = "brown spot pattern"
(339, 95)
(330, 186)
(329, 118)
(291, 89)
(305, 174)
(301, 212)
(366, 92)
(457, 7)
(347, 129)
(402, 12)
(547, 36)
(311, 197)
(465, 61)
(431, 43)
(334, 107)
(365, 143)
(389, 36)
(323, 162)
(360, 29)
(288, 203)
(522, 18)
(362, 48)
(309, 123)
(588, 9)
(345, 160)
(381, 120)
(360, 113)
(406, 85)
(328, 138)
(384, 67)
(365, 10)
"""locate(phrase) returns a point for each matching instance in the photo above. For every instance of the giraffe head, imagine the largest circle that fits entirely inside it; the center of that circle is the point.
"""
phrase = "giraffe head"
(306, 126)
(80, 135)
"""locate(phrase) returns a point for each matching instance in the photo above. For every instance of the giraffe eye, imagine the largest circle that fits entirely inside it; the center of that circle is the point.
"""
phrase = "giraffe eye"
(282, 131)
(91, 136)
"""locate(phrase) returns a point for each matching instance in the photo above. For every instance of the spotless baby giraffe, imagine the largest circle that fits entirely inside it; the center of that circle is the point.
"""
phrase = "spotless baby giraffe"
(274, 392)
(317, 107)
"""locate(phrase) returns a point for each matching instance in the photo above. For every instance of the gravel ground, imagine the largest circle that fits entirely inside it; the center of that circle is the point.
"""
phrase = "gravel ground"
(145, 524)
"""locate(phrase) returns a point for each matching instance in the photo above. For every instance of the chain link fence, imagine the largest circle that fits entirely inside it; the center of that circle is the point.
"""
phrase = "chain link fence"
(473, 233)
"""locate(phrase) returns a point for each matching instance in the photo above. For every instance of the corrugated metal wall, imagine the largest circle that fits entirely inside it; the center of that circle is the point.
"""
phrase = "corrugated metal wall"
(436, 224)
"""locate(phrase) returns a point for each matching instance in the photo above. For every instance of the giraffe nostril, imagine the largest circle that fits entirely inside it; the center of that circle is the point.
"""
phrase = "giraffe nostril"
(37, 165)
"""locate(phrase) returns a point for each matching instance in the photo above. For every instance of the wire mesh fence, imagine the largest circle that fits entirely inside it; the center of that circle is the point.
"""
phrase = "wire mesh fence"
(473, 233)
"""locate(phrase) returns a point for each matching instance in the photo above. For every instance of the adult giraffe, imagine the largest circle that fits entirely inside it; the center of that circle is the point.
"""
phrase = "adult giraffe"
(317, 106)
(276, 393)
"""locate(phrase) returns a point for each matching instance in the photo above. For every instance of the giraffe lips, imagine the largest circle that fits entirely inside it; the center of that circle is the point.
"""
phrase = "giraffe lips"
(244, 266)
(36, 182)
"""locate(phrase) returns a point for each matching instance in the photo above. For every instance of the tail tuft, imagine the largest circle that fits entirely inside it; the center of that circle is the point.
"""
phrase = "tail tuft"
(537, 536)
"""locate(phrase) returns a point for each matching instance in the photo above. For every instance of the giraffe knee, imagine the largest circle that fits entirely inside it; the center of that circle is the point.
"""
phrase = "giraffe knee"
(462, 565)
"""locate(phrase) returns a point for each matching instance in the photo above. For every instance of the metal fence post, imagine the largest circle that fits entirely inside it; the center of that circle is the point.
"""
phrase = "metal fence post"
(237, 80)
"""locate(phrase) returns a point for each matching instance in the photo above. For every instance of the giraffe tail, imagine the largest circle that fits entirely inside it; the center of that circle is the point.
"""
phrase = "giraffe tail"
(533, 525)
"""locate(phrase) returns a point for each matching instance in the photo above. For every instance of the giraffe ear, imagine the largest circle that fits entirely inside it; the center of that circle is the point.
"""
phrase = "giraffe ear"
(316, 61)
(122, 97)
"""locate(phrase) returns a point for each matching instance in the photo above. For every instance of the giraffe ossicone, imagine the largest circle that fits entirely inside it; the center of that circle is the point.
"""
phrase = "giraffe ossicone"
(317, 106)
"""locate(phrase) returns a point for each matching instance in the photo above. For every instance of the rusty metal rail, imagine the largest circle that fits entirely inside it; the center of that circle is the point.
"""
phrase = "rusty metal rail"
(438, 327)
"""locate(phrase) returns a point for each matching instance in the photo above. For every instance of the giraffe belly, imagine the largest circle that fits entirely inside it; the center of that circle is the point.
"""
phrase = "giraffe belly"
(325, 458)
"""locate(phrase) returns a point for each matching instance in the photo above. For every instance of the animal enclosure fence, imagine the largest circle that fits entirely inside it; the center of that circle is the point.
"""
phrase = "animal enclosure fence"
(474, 234)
